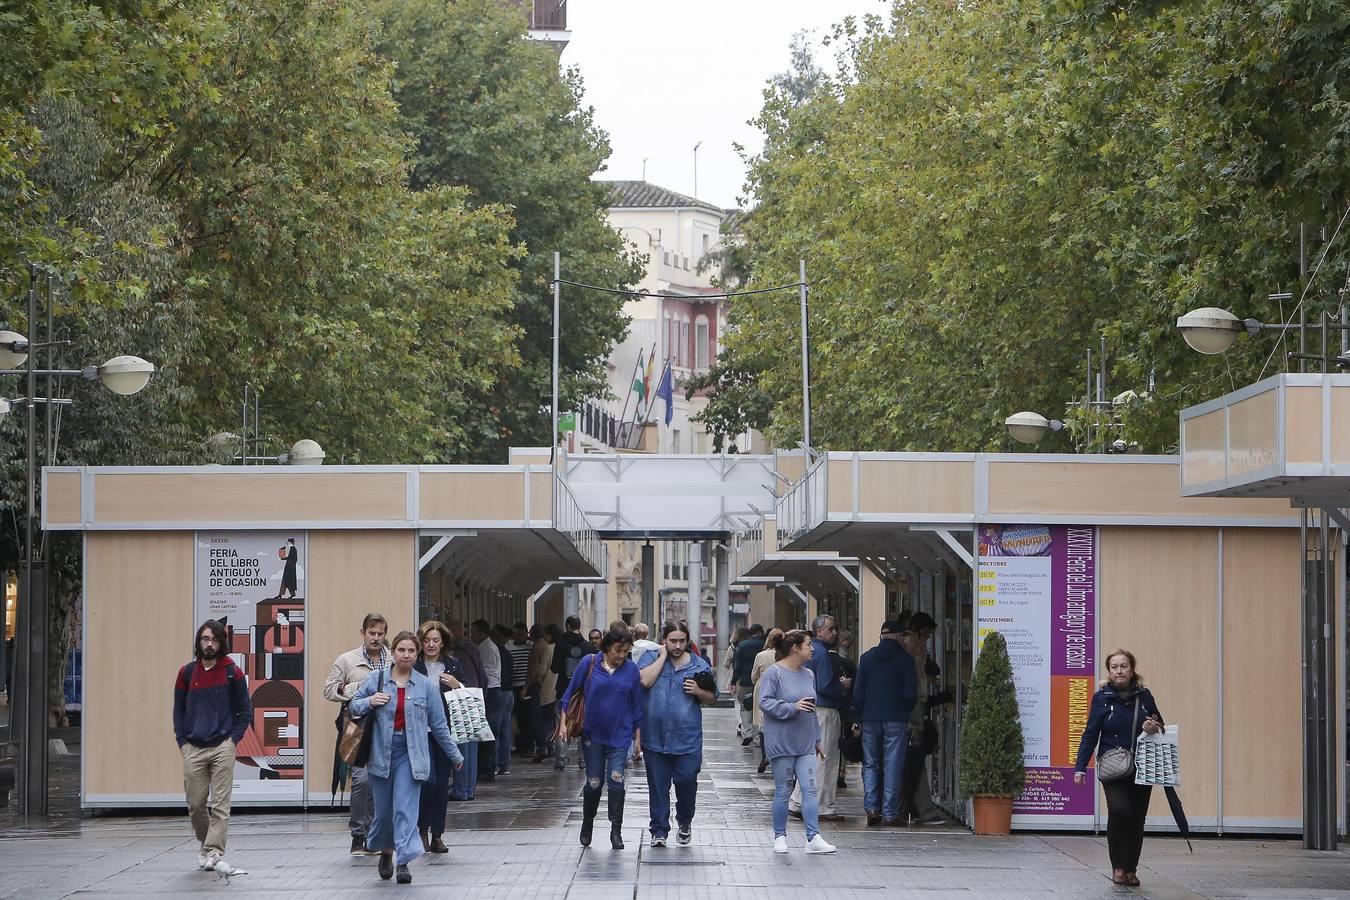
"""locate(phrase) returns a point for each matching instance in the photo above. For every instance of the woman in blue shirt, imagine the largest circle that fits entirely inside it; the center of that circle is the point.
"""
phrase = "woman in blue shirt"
(405, 706)
(1121, 708)
(612, 688)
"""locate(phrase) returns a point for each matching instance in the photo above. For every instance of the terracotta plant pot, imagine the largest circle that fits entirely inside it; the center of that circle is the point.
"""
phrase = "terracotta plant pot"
(993, 815)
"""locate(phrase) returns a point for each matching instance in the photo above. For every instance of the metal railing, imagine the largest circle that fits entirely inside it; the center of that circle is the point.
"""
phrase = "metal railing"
(748, 551)
(570, 519)
(802, 506)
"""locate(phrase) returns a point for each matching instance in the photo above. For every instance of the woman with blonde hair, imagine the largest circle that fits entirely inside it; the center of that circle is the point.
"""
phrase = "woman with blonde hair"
(1121, 709)
(763, 659)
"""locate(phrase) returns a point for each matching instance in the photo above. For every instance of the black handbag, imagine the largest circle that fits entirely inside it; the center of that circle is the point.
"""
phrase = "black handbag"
(1117, 764)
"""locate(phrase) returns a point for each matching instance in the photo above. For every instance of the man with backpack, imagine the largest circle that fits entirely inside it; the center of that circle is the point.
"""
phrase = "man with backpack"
(567, 655)
(211, 712)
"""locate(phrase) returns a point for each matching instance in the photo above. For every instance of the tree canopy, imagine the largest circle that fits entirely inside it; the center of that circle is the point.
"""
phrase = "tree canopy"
(983, 191)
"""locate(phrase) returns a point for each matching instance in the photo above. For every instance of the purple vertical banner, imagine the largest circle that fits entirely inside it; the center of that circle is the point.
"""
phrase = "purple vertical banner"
(1073, 652)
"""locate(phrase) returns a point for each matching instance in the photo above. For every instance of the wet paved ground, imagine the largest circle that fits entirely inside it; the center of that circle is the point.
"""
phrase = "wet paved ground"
(519, 840)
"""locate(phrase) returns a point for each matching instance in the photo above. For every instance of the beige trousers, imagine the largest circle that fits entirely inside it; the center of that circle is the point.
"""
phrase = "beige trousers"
(209, 771)
(828, 770)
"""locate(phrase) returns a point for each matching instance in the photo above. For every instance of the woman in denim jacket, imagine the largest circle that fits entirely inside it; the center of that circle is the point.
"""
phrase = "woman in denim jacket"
(407, 705)
(1112, 724)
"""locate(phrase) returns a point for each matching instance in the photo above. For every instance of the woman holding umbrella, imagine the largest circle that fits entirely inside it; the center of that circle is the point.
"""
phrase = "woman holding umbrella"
(1121, 709)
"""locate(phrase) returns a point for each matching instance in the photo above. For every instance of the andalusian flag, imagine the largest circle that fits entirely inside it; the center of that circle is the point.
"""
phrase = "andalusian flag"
(640, 381)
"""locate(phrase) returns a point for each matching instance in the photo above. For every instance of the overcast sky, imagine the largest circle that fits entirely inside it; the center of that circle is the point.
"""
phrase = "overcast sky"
(664, 76)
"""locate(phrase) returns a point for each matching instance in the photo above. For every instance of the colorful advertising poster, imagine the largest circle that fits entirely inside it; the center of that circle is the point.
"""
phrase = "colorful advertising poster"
(254, 583)
(1038, 588)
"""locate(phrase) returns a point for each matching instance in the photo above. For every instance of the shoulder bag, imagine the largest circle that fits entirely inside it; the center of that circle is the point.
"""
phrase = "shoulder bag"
(575, 715)
(1117, 764)
(354, 747)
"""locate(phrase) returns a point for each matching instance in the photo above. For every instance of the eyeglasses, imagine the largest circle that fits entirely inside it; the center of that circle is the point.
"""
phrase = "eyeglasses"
(208, 639)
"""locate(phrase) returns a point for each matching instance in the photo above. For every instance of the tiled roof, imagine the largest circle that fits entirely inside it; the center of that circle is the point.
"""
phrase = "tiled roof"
(645, 195)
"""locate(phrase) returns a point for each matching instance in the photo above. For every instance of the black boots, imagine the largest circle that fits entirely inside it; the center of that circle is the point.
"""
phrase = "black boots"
(590, 805)
(616, 819)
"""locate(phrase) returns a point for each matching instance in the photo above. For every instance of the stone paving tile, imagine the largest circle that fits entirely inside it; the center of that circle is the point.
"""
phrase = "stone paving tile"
(518, 841)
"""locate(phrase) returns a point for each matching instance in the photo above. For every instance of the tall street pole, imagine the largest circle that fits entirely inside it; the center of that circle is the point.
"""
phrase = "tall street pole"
(31, 634)
(806, 361)
(557, 293)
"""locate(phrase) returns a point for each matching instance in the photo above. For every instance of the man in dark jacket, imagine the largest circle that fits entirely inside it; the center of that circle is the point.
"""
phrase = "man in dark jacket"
(211, 712)
(741, 665)
(884, 692)
(568, 652)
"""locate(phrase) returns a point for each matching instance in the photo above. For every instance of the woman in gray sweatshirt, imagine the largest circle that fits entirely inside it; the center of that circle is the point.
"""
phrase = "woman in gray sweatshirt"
(792, 738)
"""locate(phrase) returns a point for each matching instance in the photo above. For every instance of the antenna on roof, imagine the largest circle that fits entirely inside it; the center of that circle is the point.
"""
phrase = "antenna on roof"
(696, 146)
(644, 168)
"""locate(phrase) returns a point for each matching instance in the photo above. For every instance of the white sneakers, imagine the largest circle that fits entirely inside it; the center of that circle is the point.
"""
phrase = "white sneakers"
(818, 844)
(204, 860)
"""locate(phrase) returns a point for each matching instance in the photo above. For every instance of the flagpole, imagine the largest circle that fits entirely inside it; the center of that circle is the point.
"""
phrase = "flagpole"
(637, 371)
(806, 363)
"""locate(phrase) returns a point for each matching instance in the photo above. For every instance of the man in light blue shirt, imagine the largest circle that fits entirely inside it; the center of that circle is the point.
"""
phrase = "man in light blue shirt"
(672, 729)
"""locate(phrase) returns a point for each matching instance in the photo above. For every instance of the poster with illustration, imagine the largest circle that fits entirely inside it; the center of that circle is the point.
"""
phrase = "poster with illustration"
(254, 583)
(1038, 588)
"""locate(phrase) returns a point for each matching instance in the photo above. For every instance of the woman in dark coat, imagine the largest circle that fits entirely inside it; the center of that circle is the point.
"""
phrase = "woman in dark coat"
(436, 663)
(1121, 709)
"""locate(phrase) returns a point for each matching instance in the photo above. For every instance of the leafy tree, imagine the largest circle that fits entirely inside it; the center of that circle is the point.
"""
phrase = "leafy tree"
(992, 760)
(984, 190)
(490, 112)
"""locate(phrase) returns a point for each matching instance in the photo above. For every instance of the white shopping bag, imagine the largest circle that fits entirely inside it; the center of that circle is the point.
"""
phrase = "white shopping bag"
(468, 715)
(1157, 758)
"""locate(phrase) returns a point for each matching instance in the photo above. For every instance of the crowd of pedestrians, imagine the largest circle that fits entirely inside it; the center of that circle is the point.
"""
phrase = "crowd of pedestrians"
(619, 696)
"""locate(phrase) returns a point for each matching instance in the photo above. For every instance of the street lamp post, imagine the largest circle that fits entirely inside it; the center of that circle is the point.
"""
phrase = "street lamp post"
(124, 375)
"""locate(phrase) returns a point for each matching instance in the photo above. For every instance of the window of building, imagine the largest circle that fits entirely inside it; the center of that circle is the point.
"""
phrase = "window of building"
(701, 342)
(685, 354)
(706, 242)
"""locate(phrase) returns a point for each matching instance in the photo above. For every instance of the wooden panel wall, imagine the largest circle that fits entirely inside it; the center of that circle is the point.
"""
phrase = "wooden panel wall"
(138, 608)
(1203, 459)
(473, 496)
(1262, 670)
(925, 487)
(1302, 425)
(210, 498)
(1159, 599)
(61, 504)
(350, 574)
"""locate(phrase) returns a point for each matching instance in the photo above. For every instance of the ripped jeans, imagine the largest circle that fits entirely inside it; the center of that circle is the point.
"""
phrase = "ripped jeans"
(604, 765)
(786, 771)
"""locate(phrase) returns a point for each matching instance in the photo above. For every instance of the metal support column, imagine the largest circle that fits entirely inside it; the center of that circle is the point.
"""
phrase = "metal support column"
(806, 361)
(649, 586)
(1319, 683)
(694, 612)
(723, 574)
(569, 601)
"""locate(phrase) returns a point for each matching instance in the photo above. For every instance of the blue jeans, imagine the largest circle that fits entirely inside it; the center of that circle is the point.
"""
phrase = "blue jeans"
(501, 728)
(464, 780)
(435, 790)
(883, 745)
(662, 770)
(604, 764)
(786, 770)
(397, 799)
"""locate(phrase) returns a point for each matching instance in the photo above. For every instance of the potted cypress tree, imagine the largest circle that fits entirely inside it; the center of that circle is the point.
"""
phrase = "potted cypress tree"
(992, 769)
